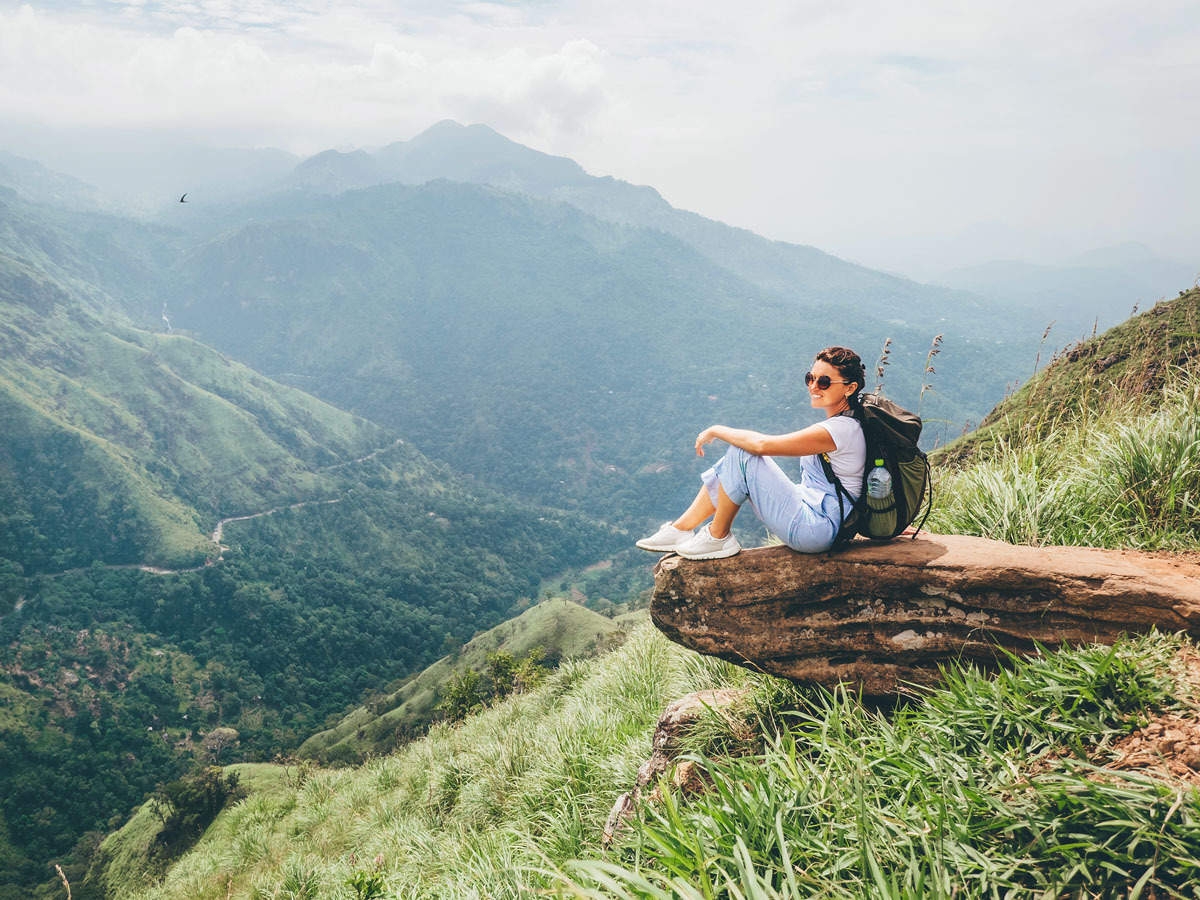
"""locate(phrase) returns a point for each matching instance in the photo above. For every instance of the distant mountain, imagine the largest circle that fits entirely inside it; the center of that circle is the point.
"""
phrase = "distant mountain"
(476, 154)
(1093, 291)
(548, 352)
(30, 180)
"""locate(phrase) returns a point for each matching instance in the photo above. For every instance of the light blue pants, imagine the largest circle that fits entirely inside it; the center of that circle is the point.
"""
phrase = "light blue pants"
(804, 516)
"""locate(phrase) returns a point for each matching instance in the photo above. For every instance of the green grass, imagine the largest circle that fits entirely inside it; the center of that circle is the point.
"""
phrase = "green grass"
(988, 786)
(1126, 480)
(561, 628)
(473, 810)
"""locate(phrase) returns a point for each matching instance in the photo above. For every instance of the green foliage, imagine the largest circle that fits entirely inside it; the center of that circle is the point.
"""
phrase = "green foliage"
(188, 805)
(985, 788)
(463, 694)
(368, 884)
(1124, 481)
(468, 691)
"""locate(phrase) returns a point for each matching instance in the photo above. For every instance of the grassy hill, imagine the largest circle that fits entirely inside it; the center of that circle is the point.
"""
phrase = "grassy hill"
(557, 629)
(1067, 775)
(346, 560)
(1121, 371)
(1101, 448)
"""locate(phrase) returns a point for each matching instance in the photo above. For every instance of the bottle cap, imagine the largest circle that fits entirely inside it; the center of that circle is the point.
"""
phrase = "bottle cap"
(879, 462)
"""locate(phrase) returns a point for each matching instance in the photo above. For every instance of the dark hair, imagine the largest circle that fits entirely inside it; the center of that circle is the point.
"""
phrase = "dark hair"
(849, 366)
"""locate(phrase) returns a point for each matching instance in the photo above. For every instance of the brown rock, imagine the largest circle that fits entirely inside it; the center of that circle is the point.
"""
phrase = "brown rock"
(673, 724)
(879, 616)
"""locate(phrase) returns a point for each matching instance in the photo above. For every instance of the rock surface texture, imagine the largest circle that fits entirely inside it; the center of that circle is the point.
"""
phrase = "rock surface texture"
(680, 716)
(880, 616)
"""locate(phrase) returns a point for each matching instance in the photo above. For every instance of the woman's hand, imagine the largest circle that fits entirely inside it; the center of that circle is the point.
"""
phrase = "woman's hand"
(707, 436)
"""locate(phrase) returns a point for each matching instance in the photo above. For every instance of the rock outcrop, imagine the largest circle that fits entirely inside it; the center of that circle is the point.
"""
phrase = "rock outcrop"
(882, 616)
(675, 721)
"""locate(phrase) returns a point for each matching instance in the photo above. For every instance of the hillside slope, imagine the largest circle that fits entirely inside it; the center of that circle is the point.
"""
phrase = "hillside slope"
(559, 629)
(187, 546)
(124, 446)
(1120, 371)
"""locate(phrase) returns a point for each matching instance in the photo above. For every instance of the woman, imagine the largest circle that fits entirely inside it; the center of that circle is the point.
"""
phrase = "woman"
(807, 515)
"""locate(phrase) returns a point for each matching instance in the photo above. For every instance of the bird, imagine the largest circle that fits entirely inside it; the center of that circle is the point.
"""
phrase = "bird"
(183, 197)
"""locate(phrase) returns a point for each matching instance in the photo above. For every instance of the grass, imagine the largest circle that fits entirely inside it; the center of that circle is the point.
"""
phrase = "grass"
(473, 810)
(987, 788)
(1123, 481)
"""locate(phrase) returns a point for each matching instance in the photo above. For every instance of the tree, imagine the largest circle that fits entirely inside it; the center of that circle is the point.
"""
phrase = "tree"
(218, 741)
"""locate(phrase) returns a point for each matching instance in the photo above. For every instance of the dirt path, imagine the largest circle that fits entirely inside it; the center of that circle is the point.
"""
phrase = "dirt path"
(218, 533)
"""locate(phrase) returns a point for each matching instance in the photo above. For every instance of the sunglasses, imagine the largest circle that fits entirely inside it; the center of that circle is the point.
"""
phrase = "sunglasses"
(823, 381)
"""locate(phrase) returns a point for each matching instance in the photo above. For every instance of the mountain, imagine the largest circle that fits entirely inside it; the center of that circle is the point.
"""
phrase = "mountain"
(188, 546)
(476, 154)
(547, 352)
(30, 180)
(1094, 290)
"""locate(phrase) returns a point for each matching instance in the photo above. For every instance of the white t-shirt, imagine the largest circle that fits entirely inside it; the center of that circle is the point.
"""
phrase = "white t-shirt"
(849, 460)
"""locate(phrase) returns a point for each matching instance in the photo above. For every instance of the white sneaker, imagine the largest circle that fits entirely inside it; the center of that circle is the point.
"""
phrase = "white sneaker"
(704, 546)
(665, 540)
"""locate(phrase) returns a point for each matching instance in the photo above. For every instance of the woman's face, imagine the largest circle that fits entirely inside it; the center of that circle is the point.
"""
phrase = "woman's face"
(833, 398)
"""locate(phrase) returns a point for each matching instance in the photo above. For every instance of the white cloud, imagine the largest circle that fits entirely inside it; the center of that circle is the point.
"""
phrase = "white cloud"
(844, 125)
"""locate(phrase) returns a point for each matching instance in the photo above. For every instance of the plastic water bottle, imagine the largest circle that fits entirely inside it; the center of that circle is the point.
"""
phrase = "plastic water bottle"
(879, 482)
(881, 520)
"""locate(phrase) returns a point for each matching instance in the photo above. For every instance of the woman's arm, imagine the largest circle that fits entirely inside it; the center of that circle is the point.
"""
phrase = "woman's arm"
(806, 442)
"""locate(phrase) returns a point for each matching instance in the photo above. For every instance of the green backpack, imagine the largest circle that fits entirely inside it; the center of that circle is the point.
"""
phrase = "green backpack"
(891, 434)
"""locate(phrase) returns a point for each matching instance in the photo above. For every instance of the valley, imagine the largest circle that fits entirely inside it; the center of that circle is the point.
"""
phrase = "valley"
(290, 469)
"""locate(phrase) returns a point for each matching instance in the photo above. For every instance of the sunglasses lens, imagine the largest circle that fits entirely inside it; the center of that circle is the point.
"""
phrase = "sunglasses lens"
(823, 381)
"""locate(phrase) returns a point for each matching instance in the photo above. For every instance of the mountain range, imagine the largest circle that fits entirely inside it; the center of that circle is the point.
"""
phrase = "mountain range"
(267, 453)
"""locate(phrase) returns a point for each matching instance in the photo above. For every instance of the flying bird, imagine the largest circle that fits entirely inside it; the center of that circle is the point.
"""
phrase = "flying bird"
(183, 197)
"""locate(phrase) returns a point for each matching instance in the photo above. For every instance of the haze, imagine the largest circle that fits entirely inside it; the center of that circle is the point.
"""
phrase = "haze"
(912, 137)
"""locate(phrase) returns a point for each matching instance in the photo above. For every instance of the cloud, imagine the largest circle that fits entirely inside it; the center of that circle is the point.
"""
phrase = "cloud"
(804, 120)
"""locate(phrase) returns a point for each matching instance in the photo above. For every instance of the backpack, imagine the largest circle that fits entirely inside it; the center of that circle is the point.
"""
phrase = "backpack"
(891, 434)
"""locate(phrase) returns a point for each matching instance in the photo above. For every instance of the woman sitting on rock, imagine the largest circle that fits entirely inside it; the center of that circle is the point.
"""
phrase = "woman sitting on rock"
(806, 516)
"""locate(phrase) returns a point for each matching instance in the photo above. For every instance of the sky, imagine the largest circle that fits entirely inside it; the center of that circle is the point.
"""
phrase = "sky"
(907, 136)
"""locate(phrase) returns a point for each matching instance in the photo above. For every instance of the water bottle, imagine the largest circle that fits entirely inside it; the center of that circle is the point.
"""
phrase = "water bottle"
(881, 518)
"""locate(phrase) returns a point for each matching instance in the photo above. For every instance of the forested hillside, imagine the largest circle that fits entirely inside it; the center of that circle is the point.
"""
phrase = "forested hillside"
(188, 547)
(260, 462)
(1072, 773)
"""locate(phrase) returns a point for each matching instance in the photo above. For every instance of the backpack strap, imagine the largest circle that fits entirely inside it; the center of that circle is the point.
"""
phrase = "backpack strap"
(926, 498)
(845, 533)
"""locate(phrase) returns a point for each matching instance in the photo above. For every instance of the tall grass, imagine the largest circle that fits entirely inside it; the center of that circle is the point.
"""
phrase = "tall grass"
(988, 788)
(1121, 481)
(485, 808)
